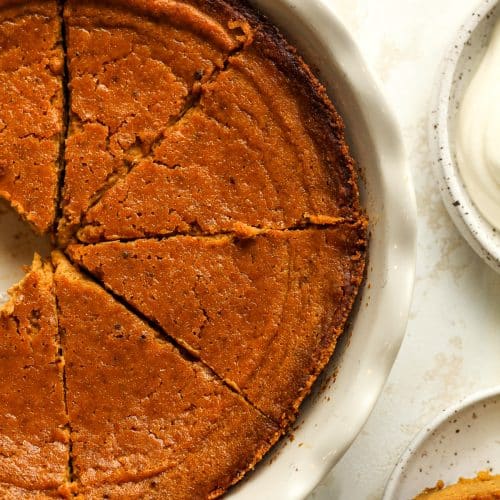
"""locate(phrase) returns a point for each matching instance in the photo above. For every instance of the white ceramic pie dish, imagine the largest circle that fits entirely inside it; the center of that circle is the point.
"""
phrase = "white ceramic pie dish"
(457, 70)
(332, 417)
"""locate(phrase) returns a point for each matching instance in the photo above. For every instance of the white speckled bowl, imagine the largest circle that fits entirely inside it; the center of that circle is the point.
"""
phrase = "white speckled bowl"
(458, 68)
(333, 416)
(460, 442)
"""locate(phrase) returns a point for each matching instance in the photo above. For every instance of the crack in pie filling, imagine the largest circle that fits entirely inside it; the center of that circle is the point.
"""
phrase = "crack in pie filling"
(130, 76)
(249, 153)
(195, 178)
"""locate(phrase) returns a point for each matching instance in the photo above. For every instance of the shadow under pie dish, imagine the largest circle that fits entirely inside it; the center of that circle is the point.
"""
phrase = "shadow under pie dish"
(207, 188)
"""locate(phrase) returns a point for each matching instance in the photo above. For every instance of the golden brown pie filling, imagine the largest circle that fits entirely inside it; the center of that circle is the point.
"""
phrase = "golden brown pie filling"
(184, 158)
(244, 307)
(31, 108)
(484, 486)
(34, 437)
(143, 417)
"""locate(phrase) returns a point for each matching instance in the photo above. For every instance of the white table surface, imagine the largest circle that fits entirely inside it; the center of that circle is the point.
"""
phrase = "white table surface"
(452, 345)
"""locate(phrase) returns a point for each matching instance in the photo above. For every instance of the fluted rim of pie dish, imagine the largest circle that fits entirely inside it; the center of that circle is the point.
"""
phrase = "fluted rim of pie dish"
(333, 416)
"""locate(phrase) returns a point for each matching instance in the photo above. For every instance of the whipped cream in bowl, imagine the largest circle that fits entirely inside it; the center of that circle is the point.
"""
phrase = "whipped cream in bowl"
(477, 141)
(465, 131)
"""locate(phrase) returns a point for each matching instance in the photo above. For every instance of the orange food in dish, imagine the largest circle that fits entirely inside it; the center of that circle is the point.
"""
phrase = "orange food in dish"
(31, 108)
(209, 244)
(483, 487)
(144, 419)
(34, 435)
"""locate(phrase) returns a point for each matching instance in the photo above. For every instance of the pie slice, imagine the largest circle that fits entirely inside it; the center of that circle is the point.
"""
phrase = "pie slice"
(263, 148)
(483, 487)
(34, 441)
(31, 108)
(146, 421)
(264, 313)
(134, 67)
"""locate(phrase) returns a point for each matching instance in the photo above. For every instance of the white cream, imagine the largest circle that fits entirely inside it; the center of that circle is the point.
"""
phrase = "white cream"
(478, 134)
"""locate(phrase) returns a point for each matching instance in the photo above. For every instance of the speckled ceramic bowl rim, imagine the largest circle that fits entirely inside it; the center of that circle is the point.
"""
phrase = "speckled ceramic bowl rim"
(478, 232)
(421, 437)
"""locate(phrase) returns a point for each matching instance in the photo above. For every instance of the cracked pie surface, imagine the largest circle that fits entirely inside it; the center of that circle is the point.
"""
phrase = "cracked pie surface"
(208, 245)
(34, 435)
(144, 419)
(246, 306)
(31, 108)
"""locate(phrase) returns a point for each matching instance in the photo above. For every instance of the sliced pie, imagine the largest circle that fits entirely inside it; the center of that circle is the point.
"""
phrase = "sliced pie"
(262, 149)
(134, 68)
(34, 437)
(31, 108)
(264, 313)
(146, 422)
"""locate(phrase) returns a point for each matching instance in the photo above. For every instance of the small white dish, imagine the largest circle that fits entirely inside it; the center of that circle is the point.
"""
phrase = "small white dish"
(457, 70)
(460, 442)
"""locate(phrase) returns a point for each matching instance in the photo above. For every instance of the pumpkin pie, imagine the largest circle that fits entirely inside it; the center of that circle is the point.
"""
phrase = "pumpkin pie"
(133, 69)
(263, 147)
(206, 193)
(31, 108)
(146, 420)
(243, 306)
(34, 440)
